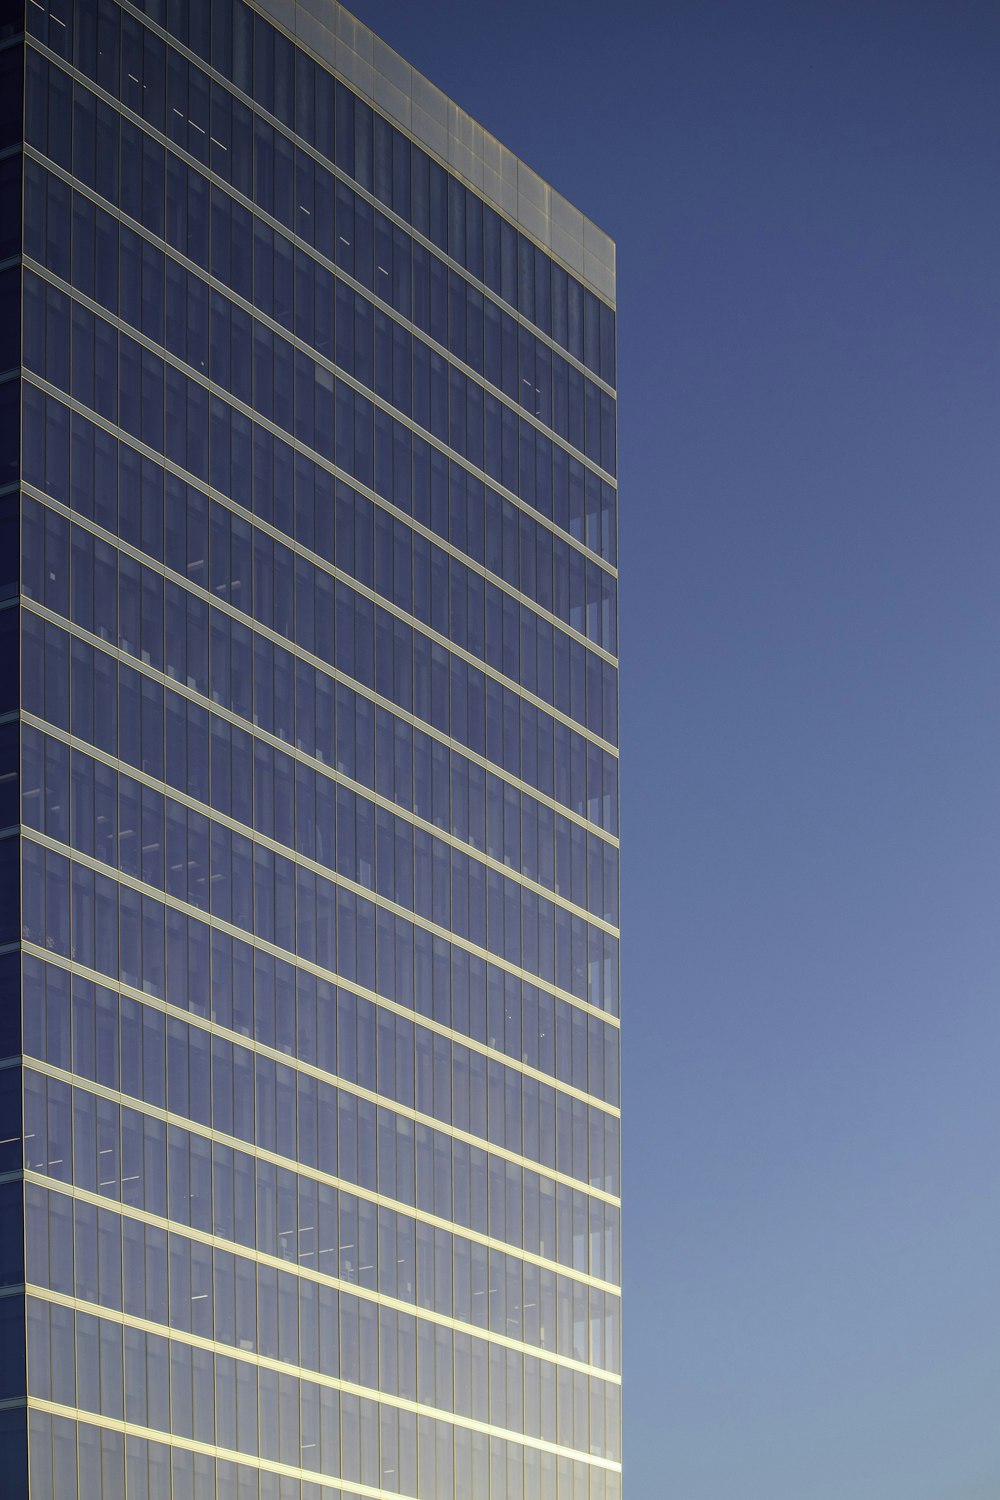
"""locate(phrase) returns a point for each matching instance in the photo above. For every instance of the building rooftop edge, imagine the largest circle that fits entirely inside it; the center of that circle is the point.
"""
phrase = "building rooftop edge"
(380, 75)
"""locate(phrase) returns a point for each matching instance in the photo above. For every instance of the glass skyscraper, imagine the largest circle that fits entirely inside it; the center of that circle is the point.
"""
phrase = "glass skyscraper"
(309, 1065)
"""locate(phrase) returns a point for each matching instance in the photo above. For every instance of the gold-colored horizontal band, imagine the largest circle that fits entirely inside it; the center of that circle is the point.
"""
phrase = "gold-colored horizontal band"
(321, 1278)
(382, 1002)
(305, 1371)
(199, 273)
(331, 772)
(370, 1096)
(311, 1070)
(316, 1174)
(273, 1466)
(556, 714)
(208, 1450)
(365, 690)
(203, 170)
(424, 923)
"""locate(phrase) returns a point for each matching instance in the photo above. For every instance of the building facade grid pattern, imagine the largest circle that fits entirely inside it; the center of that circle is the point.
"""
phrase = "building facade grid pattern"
(309, 1014)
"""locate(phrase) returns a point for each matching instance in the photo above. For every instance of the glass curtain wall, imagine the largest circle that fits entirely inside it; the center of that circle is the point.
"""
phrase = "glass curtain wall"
(316, 1065)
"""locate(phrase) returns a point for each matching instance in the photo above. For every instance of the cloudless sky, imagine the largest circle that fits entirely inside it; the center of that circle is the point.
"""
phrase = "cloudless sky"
(806, 199)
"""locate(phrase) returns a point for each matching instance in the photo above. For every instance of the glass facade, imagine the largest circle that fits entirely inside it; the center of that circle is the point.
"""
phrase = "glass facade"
(309, 1063)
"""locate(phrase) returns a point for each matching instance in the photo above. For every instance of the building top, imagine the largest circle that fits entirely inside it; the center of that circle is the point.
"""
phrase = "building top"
(397, 90)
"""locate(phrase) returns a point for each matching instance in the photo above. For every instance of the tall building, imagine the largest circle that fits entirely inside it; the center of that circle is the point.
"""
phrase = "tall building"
(309, 1124)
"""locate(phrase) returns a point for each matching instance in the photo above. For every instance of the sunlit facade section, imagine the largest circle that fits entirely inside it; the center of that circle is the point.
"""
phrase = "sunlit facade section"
(309, 1010)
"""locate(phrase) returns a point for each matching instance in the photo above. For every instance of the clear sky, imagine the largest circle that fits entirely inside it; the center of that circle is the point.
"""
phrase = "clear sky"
(806, 199)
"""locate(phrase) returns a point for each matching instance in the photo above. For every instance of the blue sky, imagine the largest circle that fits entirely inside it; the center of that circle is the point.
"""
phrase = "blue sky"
(806, 205)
